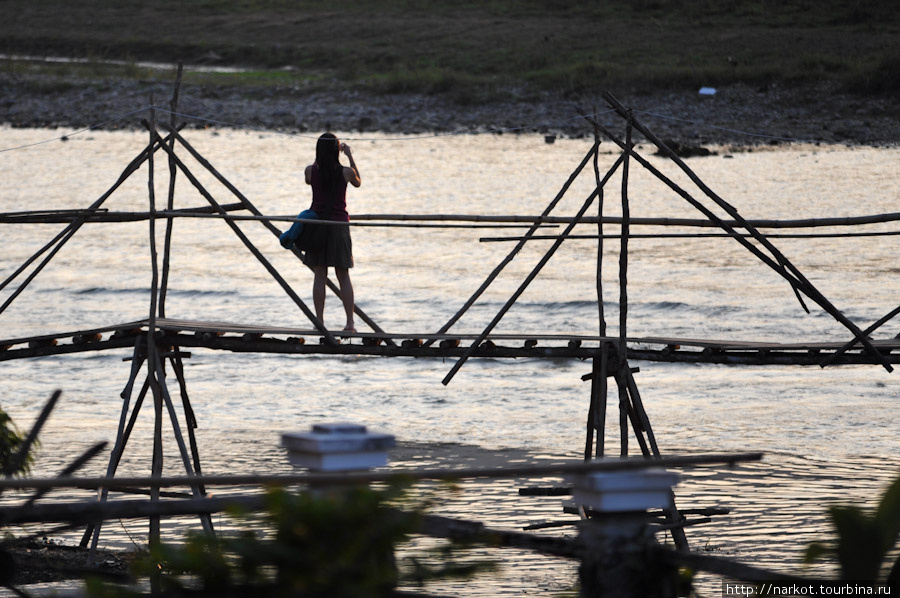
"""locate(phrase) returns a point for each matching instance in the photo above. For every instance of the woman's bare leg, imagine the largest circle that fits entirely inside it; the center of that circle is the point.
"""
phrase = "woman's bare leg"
(320, 273)
(343, 276)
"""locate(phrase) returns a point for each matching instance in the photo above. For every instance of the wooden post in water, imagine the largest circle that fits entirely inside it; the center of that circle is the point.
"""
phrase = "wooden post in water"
(623, 298)
(122, 435)
(631, 408)
(197, 491)
(599, 383)
(148, 352)
(152, 351)
(191, 419)
(164, 286)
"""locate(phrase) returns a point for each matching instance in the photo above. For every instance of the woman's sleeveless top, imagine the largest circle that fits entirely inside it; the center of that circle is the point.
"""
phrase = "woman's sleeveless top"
(324, 206)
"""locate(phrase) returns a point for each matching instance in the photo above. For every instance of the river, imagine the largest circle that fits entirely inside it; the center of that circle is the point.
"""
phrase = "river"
(829, 435)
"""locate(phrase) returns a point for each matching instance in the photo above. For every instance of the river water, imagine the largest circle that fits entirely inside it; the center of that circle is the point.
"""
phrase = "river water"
(829, 435)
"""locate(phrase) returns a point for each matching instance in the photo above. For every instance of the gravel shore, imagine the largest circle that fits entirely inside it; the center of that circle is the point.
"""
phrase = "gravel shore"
(736, 116)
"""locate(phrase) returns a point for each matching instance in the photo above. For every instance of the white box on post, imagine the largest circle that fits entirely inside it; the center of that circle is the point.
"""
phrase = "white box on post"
(337, 447)
(625, 491)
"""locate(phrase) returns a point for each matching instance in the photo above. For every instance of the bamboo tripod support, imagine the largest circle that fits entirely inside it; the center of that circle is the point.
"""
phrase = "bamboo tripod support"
(147, 351)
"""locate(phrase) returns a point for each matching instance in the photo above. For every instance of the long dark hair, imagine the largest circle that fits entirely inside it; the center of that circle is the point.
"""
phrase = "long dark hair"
(330, 169)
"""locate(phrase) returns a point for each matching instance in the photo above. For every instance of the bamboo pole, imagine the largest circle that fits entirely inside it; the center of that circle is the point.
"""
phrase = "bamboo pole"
(170, 203)
(729, 228)
(637, 402)
(388, 476)
(205, 521)
(600, 383)
(67, 233)
(329, 338)
(173, 418)
(249, 205)
(591, 418)
(156, 380)
(623, 248)
(444, 220)
(888, 316)
(673, 516)
(69, 470)
(105, 215)
(512, 254)
(636, 426)
(622, 349)
(123, 433)
(789, 276)
(468, 353)
(798, 280)
(696, 236)
(191, 422)
(199, 213)
(842, 221)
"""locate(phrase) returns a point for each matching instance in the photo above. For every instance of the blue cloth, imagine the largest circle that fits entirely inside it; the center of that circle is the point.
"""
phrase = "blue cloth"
(289, 237)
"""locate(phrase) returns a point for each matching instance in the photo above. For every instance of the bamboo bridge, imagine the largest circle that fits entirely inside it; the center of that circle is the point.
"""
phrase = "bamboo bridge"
(160, 341)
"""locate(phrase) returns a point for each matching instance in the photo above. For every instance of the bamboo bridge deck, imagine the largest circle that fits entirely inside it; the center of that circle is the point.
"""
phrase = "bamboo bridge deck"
(244, 338)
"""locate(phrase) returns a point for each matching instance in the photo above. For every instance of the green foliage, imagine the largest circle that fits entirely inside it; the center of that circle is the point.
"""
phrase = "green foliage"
(468, 50)
(10, 442)
(340, 544)
(863, 538)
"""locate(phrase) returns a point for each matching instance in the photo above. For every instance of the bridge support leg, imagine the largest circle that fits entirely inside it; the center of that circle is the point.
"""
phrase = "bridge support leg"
(632, 415)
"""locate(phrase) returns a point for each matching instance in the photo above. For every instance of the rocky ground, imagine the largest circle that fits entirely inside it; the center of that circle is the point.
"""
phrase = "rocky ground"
(738, 116)
(47, 561)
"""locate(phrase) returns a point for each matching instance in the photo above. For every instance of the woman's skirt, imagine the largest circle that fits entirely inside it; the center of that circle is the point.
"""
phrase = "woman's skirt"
(333, 249)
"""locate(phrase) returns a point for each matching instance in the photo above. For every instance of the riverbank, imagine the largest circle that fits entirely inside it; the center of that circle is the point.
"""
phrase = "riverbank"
(736, 115)
(782, 72)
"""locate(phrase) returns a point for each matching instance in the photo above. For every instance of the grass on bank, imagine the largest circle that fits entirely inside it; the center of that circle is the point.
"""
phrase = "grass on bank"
(468, 50)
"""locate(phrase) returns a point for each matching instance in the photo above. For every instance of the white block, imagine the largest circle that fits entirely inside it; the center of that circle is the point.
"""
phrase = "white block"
(619, 502)
(619, 491)
(337, 442)
(337, 447)
(651, 478)
(338, 461)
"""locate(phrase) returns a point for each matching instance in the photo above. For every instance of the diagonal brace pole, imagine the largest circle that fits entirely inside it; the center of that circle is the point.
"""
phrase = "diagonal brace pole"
(787, 271)
(469, 351)
(528, 234)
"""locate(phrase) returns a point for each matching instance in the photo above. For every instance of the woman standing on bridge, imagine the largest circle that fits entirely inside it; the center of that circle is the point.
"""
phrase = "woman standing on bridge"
(328, 179)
